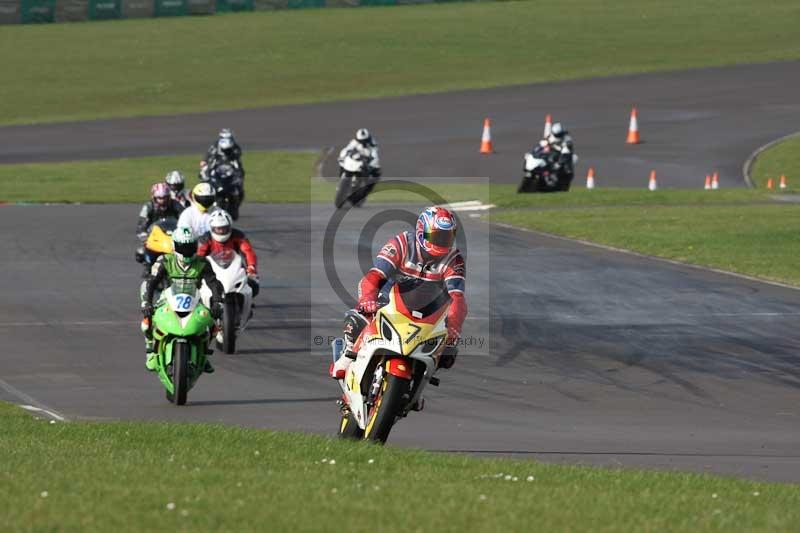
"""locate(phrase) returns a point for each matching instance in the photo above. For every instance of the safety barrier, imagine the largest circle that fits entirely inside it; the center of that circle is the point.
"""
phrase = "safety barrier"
(43, 11)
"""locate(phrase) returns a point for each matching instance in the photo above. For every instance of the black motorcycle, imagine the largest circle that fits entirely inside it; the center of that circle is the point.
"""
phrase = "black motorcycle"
(543, 173)
(228, 184)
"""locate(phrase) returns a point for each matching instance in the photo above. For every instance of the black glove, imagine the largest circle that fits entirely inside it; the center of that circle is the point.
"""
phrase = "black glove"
(216, 310)
(147, 309)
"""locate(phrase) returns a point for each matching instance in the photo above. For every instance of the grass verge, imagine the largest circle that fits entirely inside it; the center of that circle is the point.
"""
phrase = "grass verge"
(758, 240)
(146, 477)
(120, 68)
(781, 159)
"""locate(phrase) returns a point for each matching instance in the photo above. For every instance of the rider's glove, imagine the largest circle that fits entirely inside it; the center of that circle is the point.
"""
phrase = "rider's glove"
(368, 307)
(216, 310)
(147, 309)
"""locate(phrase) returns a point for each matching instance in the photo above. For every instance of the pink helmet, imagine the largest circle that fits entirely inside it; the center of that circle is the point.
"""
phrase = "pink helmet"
(160, 195)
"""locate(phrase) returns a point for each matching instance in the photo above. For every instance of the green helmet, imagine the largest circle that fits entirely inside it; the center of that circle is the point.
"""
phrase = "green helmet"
(185, 244)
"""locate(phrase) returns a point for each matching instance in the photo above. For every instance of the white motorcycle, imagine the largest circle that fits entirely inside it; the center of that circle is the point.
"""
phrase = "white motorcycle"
(356, 180)
(542, 174)
(238, 306)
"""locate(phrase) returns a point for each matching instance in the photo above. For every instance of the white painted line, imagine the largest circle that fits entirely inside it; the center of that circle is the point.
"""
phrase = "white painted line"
(30, 401)
(651, 257)
(49, 413)
(468, 203)
(480, 207)
(56, 323)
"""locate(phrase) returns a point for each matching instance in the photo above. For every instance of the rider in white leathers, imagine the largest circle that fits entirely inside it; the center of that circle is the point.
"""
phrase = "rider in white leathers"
(197, 215)
(365, 145)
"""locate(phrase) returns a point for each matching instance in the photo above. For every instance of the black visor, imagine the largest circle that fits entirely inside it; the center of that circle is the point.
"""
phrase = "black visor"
(186, 249)
(205, 201)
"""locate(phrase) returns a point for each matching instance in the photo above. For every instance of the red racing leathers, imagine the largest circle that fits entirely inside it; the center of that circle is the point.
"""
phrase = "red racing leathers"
(236, 242)
(400, 260)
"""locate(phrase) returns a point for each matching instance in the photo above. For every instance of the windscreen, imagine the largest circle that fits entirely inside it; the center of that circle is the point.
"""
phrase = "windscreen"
(425, 297)
(224, 258)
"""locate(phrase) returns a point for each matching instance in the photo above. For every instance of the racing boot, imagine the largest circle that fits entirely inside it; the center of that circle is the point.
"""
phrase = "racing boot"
(150, 362)
(354, 324)
(209, 368)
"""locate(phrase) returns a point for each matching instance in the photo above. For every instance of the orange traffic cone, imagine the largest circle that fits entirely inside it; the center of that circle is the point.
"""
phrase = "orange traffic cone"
(652, 184)
(590, 179)
(715, 181)
(783, 182)
(633, 129)
(707, 186)
(548, 126)
(486, 138)
(769, 183)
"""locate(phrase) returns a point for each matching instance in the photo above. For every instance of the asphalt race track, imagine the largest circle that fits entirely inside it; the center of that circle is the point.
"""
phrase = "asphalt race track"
(692, 123)
(589, 356)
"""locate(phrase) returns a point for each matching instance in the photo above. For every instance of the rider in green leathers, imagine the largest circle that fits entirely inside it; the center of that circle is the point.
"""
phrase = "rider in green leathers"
(183, 263)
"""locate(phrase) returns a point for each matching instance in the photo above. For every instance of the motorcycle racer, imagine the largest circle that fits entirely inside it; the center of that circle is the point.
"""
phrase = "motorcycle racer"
(224, 150)
(560, 148)
(222, 236)
(424, 256)
(183, 263)
(159, 206)
(196, 216)
(177, 190)
(366, 146)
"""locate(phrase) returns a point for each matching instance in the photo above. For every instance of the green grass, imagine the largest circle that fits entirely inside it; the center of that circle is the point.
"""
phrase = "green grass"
(271, 177)
(758, 240)
(781, 159)
(192, 64)
(126, 476)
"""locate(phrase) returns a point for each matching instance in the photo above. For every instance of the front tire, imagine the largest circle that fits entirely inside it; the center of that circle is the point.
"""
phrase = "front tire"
(388, 404)
(180, 372)
(342, 191)
(229, 328)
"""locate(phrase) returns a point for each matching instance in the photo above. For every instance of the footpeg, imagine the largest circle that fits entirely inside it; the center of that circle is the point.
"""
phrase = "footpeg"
(434, 382)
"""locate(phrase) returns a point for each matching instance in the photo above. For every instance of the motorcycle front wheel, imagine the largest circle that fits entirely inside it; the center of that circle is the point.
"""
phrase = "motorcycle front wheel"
(229, 328)
(386, 408)
(342, 191)
(180, 373)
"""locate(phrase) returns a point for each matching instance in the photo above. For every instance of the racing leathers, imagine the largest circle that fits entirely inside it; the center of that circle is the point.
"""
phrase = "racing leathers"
(216, 157)
(181, 197)
(150, 213)
(196, 219)
(368, 152)
(166, 270)
(560, 150)
(400, 261)
(240, 244)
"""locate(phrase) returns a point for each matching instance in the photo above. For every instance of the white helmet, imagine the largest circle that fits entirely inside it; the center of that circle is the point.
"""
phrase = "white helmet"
(363, 136)
(225, 143)
(184, 243)
(225, 133)
(221, 225)
(175, 180)
(557, 130)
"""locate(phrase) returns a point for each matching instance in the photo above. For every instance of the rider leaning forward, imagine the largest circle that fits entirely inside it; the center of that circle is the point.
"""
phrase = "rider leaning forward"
(425, 256)
(183, 264)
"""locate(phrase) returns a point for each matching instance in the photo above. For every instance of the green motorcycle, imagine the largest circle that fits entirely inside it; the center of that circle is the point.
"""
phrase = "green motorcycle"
(181, 331)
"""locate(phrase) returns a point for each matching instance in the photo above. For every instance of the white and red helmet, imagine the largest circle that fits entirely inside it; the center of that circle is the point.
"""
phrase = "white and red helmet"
(221, 225)
(436, 231)
(159, 193)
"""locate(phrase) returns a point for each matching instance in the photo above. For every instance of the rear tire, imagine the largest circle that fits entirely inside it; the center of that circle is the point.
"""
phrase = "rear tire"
(348, 428)
(229, 328)
(387, 407)
(180, 372)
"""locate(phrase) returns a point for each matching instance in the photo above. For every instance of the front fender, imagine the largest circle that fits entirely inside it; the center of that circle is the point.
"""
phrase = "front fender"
(399, 367)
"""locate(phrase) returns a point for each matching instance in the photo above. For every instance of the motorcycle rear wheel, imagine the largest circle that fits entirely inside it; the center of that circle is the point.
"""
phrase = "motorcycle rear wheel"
(388, 404)
(348, 428)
